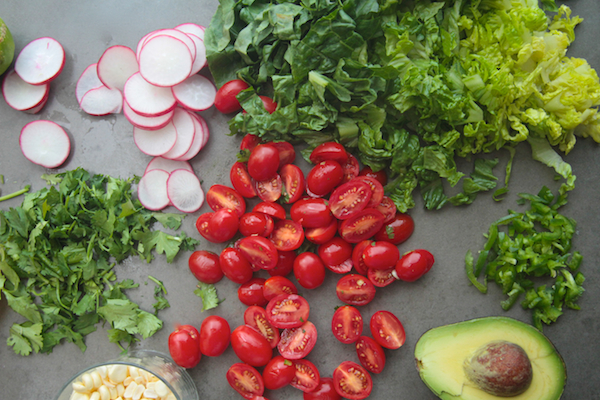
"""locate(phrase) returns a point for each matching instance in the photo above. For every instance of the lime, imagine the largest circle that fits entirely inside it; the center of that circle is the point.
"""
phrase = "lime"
(7, 47)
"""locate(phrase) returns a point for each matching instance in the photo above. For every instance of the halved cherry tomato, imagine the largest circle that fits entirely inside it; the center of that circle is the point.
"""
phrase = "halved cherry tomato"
(251, 292)
(246, 380)
(269, 104)
(355, 289)
(336, 255)
(376, 187)
(381, 277)
(287, 235)
(387, 330)
(349, 198)
(263, 162)
(184, 348)
(322, 234)
(370, 354)
(307, 376)
(296, 343)
(249, 142)
(352, 381)
(398, 230)
(202, 227)
(269, 189)
(381, 255)
(357, 259)
(259, 251)
(285, 263)
(278, 373)
(294, 183)
(329, 151)
(251, 346)
(256, 317)
(276, 285)
(311, 213)
(414, 265)
(287, 153)
(221, 196)
(351, 168)
(214, 336)
(347, 324)
(324, 177)
(287, 311)
(255, 223)
(324, 391)
(241, 180)
(361, 226)
(204, 265)
(309, 270)
(235, 266)
(223, 224)
(226, 100)
(380, 175)
(274, 210)
(387, 208)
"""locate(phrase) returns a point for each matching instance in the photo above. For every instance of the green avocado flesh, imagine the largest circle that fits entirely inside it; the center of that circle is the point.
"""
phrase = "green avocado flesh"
(441, 352)
(7, 47)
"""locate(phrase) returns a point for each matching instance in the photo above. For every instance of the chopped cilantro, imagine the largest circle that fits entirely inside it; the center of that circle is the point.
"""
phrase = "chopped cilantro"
(208, 293)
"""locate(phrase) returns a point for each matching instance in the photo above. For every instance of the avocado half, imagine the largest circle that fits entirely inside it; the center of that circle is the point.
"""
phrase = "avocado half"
(7, 47)
(441, 352)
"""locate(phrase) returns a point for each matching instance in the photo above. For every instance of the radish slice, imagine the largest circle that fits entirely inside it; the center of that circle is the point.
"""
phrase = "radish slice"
(184, 125)
(200, 59)
(177, 34)
(21, 95)
(152, 189)
(102, 101)
(38, 108)
(45, 143)
(116, 65)
(184, 191)
(147, 99)
(192, 28)
(197, 144)
(167, 164)
(205, 129)
(155, 142)
(196, 93)
(40, 61)
(165, 60)
(87, 81)
(148, 123)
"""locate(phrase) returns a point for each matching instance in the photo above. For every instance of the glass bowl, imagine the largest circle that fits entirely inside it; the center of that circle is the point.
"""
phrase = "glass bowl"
(138, 372)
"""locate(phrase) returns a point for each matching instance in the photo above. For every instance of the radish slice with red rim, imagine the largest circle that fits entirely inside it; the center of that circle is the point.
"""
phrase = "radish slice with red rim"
(192, 29)
(167, 164)
(165, 60)
(205, 129)
(196, 93)
(155, 142)
(21, 95)
(198, 142)
(147, 99)
(200, 58)
(152, 189)
(45, 143)
(38, 108)
(102, 101)
(40, 61)
(87, 81)
(177, 34)
(149, 123)
(184, 191)
(186, 130)
(116, 65)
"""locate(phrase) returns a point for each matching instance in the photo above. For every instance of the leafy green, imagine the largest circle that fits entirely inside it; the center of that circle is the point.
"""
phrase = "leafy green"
(533, 245)
(208, 293)
(58, 253)
(409, 85)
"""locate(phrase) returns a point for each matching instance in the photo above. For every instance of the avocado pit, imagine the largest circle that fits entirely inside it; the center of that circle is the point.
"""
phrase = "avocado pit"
(500, 368)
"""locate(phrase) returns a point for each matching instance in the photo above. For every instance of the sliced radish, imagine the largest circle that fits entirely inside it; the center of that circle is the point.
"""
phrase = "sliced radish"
(147, 99)
(155, 142)
(205, 130)
(197, 144)
(177, 34)
(184, 191)
(165, 60)
(116, 65)
(192, 28)
(45, 143)
(148, 123)
(38, 108)
(40, 61)
(186, 130)
(21, 95)
(167, 164)
(196, 93)
(200, 58)
(102, 101)
(87, 81)
(152, 189)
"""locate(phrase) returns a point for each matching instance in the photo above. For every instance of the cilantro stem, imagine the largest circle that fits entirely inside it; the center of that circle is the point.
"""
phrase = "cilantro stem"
(15, 194)
(159, 283)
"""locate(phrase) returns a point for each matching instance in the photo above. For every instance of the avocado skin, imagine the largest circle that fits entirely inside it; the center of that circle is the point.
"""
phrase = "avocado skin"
(440, 354)
(7, 47)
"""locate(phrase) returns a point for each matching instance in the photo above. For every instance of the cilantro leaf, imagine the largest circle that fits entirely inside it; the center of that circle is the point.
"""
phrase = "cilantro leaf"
(208, 293)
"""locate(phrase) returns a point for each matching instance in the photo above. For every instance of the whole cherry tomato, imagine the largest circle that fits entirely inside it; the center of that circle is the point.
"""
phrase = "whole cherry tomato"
(311, 213)
(269, 104)
(414, 265)
(309, 270)
(251, 292)
(235, 266)
(380, 175)
(278, 373)
(223, 224)
(249, 142)
(255, 223)
(324, 177)
(381, 255)
(263, 162)
(322, 234)
(214, 336)
(251, 346)
(287, 153)
(205, 266)
(285, 263)
(226, 100)
(246, 380)
(357, 259)
(398, 230)
(329, 151)
(336, 255)
(184, 348)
